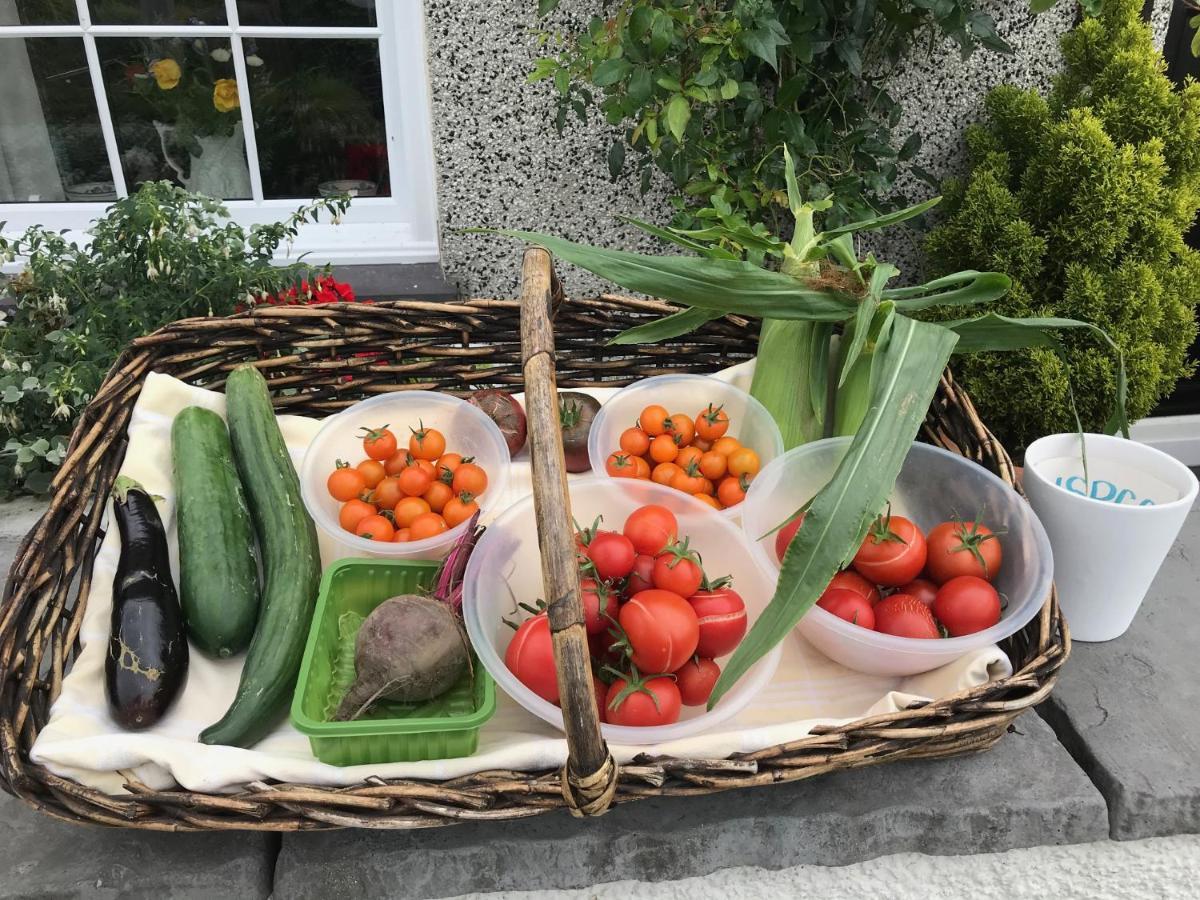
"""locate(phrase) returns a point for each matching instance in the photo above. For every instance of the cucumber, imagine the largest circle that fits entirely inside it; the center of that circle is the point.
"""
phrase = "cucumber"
(291, 564)
(218, 568)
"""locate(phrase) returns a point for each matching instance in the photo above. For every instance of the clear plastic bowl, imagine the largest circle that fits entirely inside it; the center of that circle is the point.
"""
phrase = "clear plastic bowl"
(505, 568)
(934, 486)
(749, 420)
(468, 431)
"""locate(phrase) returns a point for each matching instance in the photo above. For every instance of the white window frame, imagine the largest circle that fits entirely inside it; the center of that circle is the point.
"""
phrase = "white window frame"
(400, 228)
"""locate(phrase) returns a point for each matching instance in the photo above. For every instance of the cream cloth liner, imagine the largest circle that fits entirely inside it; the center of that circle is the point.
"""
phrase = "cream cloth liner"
(82, 742)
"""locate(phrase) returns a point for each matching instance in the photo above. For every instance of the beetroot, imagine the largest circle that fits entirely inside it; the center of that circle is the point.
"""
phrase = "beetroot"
(503, 409)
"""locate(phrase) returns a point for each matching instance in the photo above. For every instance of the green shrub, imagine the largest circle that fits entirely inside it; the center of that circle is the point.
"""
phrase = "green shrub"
(156, 256)
(1083, 199)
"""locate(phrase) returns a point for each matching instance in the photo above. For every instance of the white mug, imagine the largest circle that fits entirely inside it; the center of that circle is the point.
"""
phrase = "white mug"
(1110, 527)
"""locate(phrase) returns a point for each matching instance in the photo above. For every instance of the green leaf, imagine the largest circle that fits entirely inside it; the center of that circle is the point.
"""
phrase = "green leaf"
(762, 42)
(887, 219)
(666, 82)
(667, 327)
(912, 360)
(1195, 23)
(1040, 6)
(545, 7)
(610, 72)
(562, 81)
(729, 89)
(795, 201)
(616, 158)
(976, 288)
(728, 286)
(661, 33)
(818, 369)
(860, 325)
(679, 111)
(910, 147)
(641, 85)
(671, 235)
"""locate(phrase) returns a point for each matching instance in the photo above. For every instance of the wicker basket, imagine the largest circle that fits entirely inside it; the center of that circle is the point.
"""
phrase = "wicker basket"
(321, 359)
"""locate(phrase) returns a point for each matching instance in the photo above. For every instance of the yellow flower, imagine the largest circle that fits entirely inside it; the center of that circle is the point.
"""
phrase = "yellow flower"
(225, 95)
(166, 72)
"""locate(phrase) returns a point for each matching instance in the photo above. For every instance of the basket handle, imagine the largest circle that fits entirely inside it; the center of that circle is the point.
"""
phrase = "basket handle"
(589, 778)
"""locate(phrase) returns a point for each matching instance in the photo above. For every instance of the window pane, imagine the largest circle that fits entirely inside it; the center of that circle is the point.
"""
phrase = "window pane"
(341, 13)
(175, 108)
(51, 147)
(318, 116)
(38, 12)
(157, 12)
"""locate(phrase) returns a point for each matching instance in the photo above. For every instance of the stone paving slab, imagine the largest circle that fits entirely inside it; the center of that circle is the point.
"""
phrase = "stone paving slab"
(1025, 792)
(1129, 710)
(44, 858)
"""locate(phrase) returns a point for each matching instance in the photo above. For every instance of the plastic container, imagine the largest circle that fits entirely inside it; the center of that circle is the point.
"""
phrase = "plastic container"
(440, 729)
(506, 568)
(468, 431)
(1110, 534)
(934, 486)
(749, 420)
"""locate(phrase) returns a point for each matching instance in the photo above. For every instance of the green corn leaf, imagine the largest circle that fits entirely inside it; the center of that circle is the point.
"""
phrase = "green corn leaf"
(673, 236)
(780, 382)
(727, 286)
(818, 369)
(968, 288)
(667, 327)
(861, 324)
(795, 201)
(885, 220)
(912, 360)
(991, 332)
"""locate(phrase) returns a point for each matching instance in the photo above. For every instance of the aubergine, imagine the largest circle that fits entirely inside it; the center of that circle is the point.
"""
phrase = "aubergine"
(147, 651)
(576, 412)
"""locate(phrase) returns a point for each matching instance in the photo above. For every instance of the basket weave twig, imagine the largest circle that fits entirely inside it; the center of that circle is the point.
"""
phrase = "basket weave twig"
(323, 359)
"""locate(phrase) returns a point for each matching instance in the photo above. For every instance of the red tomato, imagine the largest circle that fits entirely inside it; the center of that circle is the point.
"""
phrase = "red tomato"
(783, 537)
(892, 553)
(662, 628)
(849, 605)
(620, 465)
(599, 605)
(651, 528)
(696, 680)
(923, 590)
(967, 604)
(530, 656)
(600, 648)
(678, 571)
(641, 577)
(962, 548)
(647, 701)
(612, 554)
(721, 613)
(905, 616)
(852, 581)
(378, 443)
(345, 483)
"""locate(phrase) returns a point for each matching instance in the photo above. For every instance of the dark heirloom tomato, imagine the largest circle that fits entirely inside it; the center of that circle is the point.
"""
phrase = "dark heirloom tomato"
(696, 680)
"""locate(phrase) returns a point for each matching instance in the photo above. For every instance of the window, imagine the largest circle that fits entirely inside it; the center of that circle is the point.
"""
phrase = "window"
(264, 103)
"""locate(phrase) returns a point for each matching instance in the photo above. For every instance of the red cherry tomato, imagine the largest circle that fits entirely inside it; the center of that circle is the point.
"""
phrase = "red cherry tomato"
(962, 548)
(852, 581)
(892, 553)
(612, 554)
(923, 590)
(648, 701)
(849, 605)
(651, 528)
(662, 628)
(676, 570)
(783, 537)
(530, 656)
(721, 613)
(599, 605)
(696, 679)
(967, 604)
(905, 616)
(641, 578)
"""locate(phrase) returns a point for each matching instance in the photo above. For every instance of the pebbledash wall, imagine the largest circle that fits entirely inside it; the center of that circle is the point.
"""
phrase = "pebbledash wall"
(501, 163)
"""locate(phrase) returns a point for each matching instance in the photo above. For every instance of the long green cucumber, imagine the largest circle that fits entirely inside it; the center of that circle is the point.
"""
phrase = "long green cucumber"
(291, 564)
(218, 566)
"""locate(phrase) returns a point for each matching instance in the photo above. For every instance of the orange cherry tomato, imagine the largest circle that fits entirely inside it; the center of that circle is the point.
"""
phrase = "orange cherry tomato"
(345, 483)
(663, 449)
(427, 467)
(726, 445)
(689, 480)
(653, 419)
(732, 490)
(712, 422)
(702, 445)
(375, 528)
(635, 442)
(709, 499)
(642, 467)
(426, 526)
(743, 461)
(378, 443)
(687, 456)
(683, 428)
(663, 473)
(398, 462)
(448, 462)
(426, 443)
(469, 478)
(402, 536)
(437, 495)
(373, 471)
(713, 465)
(408, 509)
(709, 487)
(620, 465)
(459, 509)
(414, 481)
(388, 493)
(353, 512)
